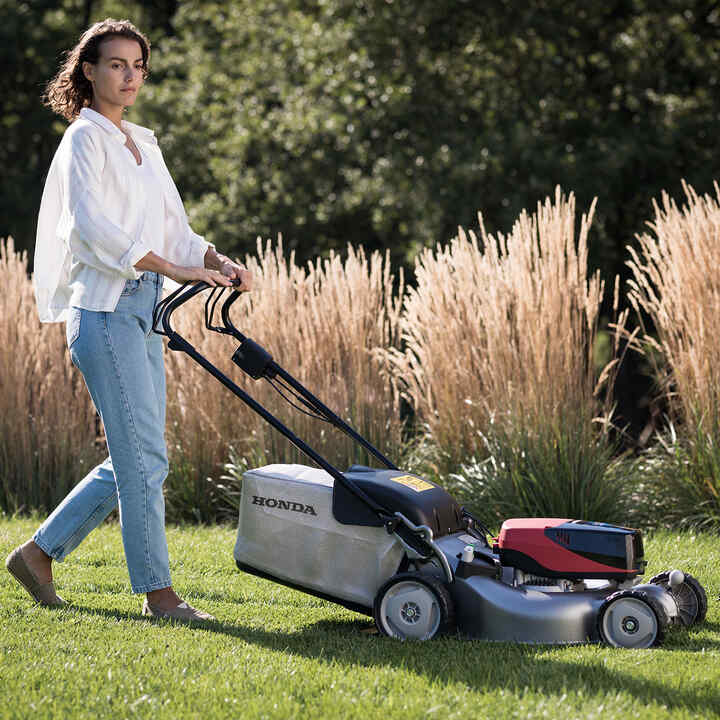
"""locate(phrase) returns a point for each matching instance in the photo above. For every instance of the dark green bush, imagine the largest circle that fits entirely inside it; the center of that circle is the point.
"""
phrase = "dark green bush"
(566, 471)
(679, 481)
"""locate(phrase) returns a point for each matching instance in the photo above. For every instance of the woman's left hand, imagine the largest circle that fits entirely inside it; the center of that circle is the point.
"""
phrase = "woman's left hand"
(242, 278)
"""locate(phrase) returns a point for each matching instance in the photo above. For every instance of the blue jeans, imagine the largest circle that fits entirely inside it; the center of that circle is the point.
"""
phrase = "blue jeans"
(121, 359)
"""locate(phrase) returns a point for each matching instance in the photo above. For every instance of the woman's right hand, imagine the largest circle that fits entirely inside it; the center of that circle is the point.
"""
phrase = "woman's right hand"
(180, 274)
(197, 274)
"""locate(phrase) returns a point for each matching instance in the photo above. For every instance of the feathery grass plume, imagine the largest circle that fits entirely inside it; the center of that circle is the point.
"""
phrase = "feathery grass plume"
(675, 282)
(47, 423)
(322, 323)
(499, 335)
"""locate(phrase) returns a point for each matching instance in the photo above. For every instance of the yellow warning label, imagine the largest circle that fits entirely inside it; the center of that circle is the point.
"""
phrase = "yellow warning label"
(413, 482)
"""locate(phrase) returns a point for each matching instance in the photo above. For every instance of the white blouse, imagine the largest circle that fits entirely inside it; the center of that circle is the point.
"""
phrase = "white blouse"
(101, 213)
(153, 232)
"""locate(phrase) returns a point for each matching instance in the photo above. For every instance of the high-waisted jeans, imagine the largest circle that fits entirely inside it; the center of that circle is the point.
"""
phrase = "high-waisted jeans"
(121, 359)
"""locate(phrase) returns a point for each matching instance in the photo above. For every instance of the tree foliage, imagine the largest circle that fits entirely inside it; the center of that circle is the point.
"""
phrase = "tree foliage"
(390, 123)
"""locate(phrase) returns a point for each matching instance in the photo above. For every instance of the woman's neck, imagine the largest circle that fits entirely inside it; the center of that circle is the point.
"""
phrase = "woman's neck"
(112, 112)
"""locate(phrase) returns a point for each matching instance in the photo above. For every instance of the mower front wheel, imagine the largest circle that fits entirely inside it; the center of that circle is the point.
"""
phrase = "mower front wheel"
(689, 595)
(411, 606)
(631, 619)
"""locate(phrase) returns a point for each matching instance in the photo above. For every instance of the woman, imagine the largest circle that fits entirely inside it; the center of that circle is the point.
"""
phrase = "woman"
(111, 226)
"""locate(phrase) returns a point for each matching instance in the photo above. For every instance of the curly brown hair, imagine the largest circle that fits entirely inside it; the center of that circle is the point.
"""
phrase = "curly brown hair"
(70, 91)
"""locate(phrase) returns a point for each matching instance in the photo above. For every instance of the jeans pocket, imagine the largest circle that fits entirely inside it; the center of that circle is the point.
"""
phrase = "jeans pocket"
(72, 327)
(131, 287)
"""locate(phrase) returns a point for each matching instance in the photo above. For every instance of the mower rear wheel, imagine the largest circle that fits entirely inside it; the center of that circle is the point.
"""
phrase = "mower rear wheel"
(631, 619)
(411, 606)
(690, 597)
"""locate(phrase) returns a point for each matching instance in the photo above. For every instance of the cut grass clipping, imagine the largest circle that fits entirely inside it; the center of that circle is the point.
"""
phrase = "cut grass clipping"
(277, 653)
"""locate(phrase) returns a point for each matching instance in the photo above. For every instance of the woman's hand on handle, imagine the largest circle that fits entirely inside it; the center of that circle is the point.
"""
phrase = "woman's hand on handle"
(240, 276)
(179, 274)
(198, 274)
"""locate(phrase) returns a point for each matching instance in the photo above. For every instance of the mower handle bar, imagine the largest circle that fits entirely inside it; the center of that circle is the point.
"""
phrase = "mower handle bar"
(266, 368)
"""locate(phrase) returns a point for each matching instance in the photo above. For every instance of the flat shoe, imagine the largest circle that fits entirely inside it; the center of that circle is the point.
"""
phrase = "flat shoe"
(182, 612)
(44, 593)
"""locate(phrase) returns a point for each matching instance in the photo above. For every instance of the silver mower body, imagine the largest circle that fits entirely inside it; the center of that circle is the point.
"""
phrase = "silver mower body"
(287, 530)
(288, 533)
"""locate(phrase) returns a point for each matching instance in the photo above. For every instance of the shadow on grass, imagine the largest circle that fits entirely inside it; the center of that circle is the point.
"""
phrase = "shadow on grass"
(474, 664)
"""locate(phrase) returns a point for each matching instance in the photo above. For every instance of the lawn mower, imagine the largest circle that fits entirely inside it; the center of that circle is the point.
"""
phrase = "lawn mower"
(399, 548)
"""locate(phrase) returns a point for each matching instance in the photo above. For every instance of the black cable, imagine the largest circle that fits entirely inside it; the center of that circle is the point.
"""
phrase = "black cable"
(307, 403)
(317, 413)
(208, 315)
(290, 402)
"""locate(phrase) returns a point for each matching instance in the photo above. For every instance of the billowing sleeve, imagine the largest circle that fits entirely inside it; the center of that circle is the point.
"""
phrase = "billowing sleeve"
(183, 246)
(197, 247)
(52, 261)
(92, 237)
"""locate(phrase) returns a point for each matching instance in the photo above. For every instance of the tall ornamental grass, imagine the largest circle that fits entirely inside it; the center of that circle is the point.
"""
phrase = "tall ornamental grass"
(675, 283)
(322, 323)
(498, 363)
(47, 421)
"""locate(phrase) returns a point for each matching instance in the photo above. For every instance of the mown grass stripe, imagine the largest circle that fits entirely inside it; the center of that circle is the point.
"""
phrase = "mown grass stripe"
(276, 653)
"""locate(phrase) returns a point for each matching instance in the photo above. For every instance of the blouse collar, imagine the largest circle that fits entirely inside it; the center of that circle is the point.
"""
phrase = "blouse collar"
(138, 132)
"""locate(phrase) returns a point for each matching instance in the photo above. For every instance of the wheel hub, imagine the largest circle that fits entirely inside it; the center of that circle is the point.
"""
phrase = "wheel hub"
(410, 612)
(630, 624)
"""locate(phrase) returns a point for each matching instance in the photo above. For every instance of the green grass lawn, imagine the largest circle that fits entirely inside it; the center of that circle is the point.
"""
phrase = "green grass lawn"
(276, 653)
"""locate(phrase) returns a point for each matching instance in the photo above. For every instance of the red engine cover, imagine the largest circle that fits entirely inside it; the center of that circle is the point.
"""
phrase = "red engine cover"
(559, 547)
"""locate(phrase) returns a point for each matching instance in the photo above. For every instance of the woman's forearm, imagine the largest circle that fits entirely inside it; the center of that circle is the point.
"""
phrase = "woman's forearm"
(154, 263)
(218, 270)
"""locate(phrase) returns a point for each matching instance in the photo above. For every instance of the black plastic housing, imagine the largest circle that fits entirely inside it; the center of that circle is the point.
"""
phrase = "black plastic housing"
(420, 501)
(253, 359)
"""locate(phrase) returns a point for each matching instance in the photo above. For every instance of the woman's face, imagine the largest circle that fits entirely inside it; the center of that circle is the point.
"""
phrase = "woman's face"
(118, 74)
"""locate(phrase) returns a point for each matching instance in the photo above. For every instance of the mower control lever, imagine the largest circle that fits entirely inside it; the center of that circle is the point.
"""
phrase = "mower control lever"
(421, 535)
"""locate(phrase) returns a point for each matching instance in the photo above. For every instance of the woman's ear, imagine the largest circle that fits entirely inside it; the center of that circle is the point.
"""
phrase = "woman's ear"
(88, 70)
